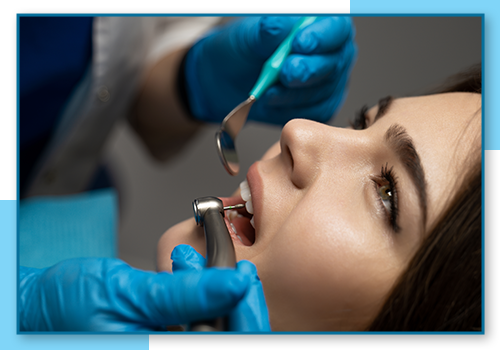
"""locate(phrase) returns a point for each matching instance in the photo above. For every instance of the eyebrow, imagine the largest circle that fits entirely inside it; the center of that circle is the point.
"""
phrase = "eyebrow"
(383, 105)
(402, 144)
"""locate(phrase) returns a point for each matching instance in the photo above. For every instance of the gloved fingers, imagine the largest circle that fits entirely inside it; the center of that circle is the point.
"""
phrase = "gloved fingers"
(309, 70)
(324, 35)
(155, 299)
(75, 295)
(279, 104)
(321, 112)
(283, 97)
(205, 294)
(185, 257)
(109, 295)
(304, 71)
(279, 96)
(251, 314)
(263, 35)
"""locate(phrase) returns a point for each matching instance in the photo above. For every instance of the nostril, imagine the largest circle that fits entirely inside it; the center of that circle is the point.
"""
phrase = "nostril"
(288, 156)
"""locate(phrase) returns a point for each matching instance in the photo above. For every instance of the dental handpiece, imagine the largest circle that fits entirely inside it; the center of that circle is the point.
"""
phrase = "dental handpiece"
(209, 213)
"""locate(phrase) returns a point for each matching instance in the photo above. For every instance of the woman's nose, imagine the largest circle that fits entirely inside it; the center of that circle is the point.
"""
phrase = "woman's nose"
(309, 148)
(301, 147)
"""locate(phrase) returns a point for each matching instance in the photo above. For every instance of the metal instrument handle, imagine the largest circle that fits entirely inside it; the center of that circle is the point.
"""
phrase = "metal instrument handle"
(220, 249)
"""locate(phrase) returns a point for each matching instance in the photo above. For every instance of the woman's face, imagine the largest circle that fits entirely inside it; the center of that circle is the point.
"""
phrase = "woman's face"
(339, 212)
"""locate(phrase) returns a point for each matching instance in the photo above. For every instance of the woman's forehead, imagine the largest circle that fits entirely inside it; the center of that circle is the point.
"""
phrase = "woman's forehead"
(457, 104)
(445, 129)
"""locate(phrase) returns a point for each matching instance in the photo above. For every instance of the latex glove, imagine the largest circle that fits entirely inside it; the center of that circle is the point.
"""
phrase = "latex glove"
(222, 68)
(250, 315)
(92, 294)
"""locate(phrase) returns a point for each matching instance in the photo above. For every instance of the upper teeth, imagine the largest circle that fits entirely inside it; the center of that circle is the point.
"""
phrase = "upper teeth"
(246, 196)
(245, 191)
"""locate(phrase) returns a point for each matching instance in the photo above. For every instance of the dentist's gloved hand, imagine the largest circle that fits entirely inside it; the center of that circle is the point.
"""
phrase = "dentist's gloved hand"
(250, 315)
(107, 295)
(222, 68)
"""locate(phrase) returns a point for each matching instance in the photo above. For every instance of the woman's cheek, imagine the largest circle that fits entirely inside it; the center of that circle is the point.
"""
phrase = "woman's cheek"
(185, 232)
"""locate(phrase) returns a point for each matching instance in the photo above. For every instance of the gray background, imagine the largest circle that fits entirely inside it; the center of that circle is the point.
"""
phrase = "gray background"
(398, 56)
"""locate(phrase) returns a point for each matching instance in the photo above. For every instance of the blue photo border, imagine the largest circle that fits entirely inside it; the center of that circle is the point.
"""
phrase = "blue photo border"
(9, 209)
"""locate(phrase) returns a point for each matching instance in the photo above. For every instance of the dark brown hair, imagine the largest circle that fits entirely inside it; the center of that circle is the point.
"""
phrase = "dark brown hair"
(441, 289)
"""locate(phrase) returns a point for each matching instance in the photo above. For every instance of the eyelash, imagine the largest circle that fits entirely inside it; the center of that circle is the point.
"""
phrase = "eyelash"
(387, 177)
(359, 121)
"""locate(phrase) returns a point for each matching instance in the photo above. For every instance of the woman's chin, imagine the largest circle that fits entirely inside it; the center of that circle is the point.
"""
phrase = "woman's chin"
(185, 232)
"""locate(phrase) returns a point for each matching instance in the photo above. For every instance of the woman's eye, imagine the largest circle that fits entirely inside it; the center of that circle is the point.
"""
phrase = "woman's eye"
(385, 193)
(387, 190)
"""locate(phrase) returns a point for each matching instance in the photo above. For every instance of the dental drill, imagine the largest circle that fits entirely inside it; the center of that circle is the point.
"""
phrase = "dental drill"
(209, 213)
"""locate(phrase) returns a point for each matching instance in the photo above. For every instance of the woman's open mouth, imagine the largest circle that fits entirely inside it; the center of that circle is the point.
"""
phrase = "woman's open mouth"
(240, 223)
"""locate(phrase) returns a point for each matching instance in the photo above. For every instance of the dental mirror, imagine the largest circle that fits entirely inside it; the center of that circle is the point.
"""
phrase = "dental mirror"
(226, 136)
(234, 121)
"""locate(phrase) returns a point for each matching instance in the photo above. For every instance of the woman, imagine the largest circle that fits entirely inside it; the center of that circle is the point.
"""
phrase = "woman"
(377, 227)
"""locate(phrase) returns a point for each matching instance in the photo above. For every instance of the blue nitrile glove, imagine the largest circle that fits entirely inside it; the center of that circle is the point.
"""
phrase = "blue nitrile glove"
(251, 314)
(107, 295)
(222, 68)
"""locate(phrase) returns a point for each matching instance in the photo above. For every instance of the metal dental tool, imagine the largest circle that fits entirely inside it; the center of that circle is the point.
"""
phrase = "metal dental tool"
(209, 213)
(234, 121)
